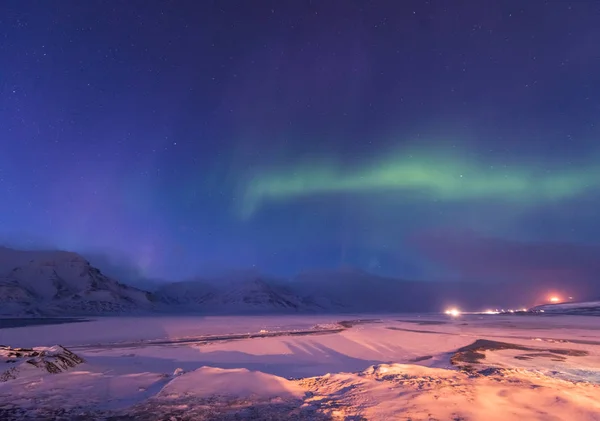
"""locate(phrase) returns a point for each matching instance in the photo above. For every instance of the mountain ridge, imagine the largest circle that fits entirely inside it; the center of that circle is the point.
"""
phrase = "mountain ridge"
(60, 282)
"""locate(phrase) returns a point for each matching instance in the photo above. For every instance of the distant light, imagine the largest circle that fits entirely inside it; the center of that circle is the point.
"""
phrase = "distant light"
(454, 312)
(491, 312)
(523, 309)
(541, 311)
(554, 299)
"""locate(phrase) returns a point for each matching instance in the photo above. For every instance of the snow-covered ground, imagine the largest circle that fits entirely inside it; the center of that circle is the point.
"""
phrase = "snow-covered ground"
(331, 367)
(585, 308)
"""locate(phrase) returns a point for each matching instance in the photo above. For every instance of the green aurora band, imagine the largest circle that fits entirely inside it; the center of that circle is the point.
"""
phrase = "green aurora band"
(435, 177)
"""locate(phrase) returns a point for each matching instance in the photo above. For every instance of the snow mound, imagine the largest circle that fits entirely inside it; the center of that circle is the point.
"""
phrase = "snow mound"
(21, 361)
(408, 371)
(239, 383)
(400, 391)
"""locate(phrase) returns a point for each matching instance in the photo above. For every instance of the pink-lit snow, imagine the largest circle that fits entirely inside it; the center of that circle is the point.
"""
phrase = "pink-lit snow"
(385, 367)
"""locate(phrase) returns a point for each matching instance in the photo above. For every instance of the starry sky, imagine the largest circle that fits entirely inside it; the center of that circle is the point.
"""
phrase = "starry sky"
(425, 140)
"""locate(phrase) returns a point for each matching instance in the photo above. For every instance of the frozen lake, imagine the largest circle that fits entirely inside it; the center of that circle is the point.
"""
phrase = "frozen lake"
(35, 321)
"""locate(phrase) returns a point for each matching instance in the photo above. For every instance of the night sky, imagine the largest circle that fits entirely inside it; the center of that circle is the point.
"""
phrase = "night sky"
(427, 140)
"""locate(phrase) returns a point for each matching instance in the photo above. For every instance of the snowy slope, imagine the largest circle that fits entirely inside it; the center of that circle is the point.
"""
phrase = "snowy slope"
(320, 291)
(234, 295)
(23, 362)
(588, 308)
(58, 282)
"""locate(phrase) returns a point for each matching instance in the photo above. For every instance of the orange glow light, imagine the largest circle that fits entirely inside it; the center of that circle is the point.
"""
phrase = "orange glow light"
(454, 312)
(554, 299)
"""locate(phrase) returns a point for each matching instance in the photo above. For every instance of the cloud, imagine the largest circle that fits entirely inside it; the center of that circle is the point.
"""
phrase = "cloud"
(494, 259)
(120, 267)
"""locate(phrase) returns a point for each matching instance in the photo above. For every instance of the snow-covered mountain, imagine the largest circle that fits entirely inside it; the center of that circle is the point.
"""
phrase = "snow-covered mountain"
(586, 308)
(335, 291)
(64, 283)
(249, 293)
(59, 282)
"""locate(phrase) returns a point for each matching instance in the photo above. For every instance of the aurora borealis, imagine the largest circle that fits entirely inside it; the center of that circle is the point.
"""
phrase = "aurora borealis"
(415, 139)
(444, 178)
